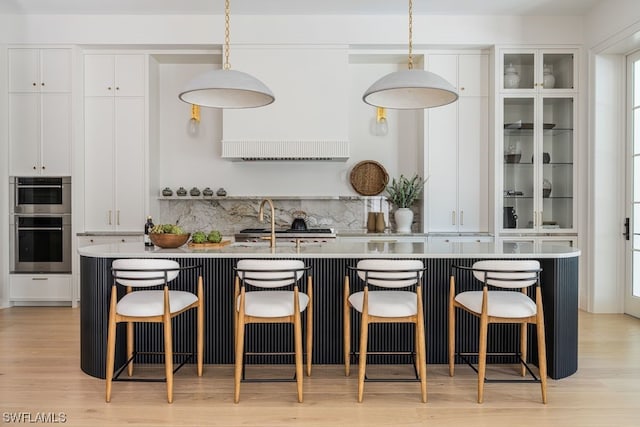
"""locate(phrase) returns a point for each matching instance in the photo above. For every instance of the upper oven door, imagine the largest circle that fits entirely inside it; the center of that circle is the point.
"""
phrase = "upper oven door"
(41, 195)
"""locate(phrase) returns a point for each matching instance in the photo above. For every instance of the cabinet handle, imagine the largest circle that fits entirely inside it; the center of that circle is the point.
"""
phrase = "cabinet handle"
(118, 217)
(91, 240)
(34, 83)
(109, 88)
(462, 88)
(461, 217)
(34, 168)
(43, 167)
(117, 87)
(109, 217)
(453, 217)
(42, 84)
(39, 278)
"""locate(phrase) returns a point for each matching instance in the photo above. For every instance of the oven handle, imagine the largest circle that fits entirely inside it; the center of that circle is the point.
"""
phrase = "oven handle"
(39, 228)
(38, 186)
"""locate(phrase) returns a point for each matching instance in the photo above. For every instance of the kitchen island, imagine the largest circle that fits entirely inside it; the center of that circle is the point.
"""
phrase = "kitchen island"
(559, 280)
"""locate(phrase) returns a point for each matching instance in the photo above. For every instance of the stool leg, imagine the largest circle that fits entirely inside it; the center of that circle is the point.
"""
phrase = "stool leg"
(523, 348)
(542, 351)
(239, 347)
(111, 344)
(346, 328)
(168, 347)
(452, 327)
(364, 335)
(297, 337)
(130, 341)
(422, 348)
(309, 326)
(200, 326)
(482, 356)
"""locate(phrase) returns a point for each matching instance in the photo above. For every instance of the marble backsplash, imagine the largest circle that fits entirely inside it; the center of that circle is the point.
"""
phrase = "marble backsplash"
(230, 215)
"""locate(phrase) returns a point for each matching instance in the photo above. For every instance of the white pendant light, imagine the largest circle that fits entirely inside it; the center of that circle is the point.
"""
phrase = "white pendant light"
(412, 88)
(226, 88)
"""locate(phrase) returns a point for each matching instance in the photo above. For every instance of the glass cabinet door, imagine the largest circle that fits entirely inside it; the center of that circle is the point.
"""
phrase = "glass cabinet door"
(538, 157)
(518, 70)
(557, 71)
(556, 161)
(518, 169)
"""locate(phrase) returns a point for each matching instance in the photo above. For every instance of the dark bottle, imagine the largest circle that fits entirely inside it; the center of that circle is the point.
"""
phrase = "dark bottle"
(147, 229)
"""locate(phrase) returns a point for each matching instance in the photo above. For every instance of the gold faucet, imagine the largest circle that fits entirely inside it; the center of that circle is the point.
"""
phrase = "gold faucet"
(272, 239)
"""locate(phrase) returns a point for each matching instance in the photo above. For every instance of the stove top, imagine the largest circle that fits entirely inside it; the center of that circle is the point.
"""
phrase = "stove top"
(289, 230)
(314, 234)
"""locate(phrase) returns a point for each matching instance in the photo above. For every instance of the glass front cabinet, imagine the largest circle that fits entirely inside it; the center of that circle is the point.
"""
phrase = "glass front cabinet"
(537, 117)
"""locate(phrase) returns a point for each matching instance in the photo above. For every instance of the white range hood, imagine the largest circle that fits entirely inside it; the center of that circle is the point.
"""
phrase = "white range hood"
(308, 120)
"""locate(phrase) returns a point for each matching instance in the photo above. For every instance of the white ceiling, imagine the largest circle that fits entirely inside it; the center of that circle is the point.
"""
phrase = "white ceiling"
(300, 7)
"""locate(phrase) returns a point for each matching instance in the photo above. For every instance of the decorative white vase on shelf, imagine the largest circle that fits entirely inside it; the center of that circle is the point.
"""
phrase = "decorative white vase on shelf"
(548, 80)
(404, 219)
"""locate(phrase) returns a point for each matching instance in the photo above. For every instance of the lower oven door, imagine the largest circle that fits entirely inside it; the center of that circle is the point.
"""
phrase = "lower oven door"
(41, 244)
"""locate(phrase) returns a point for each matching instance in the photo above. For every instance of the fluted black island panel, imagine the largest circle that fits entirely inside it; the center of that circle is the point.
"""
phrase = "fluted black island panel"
(329, 261)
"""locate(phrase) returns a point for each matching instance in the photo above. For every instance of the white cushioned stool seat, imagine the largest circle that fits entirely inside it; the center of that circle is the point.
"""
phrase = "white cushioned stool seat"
(387, 303)
(272, 303)
(499, 303)
(151, 303)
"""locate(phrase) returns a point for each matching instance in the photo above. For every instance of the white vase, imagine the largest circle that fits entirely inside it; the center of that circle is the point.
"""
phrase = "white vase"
(404, 219)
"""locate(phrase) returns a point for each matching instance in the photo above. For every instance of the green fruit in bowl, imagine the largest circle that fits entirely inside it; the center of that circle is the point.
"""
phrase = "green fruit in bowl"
(199, 237)
(214, 236)
(166, 228)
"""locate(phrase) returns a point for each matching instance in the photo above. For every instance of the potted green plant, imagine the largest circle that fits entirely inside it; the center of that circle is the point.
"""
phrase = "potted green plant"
(403, 193)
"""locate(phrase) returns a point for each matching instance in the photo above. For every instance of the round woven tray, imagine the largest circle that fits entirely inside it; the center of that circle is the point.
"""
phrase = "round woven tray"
(369, 178)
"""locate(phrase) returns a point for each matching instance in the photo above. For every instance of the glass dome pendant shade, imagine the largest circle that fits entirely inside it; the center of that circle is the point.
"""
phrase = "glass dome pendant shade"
(412, 88)
(226, 88)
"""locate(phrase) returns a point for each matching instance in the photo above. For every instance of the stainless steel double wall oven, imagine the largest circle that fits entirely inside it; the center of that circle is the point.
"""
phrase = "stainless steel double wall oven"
(40, 224)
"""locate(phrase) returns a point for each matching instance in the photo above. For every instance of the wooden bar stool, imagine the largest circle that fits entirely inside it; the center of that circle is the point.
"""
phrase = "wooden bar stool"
(390, 305)
(272, 305)
(500, 306)
(159, 306)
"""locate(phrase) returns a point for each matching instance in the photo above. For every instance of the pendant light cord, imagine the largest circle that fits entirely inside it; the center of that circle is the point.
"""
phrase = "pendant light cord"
(227, 11)
(410, 34)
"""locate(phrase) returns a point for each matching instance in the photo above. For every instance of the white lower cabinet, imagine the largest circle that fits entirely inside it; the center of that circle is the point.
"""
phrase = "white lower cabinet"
(105, 240)
(537, 243)
(32, 289)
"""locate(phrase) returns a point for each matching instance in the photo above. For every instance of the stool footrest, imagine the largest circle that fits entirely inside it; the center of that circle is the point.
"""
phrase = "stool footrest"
(534, 378)
(148, 380)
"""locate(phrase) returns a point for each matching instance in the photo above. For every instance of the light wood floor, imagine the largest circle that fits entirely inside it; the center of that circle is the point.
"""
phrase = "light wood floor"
(40, 373)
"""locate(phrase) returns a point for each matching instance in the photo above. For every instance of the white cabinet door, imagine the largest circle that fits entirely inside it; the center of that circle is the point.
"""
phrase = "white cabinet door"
(114, 75)
(24, 70)
(56, 134)
(441, 187)
(98, 75)
(473, 164)
(98, 164)
(24, 134)
(55, 69)
(129, 164)
(473, 75)
(129, 75)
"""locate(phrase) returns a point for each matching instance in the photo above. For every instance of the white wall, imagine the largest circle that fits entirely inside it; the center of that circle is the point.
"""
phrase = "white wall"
(614, 31)
(4, 182)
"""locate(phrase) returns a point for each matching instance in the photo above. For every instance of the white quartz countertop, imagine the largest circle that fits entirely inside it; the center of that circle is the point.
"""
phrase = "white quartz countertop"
(337, 249)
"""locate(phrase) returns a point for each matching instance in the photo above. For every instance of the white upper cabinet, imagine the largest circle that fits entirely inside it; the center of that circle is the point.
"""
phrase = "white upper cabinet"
(456, 194)
(40, 111)
(115, 138)
(538, 70)
(39, 70)
(114, 75)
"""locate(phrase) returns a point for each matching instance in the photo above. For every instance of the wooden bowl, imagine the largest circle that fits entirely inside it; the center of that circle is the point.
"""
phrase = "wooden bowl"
(169, 240)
